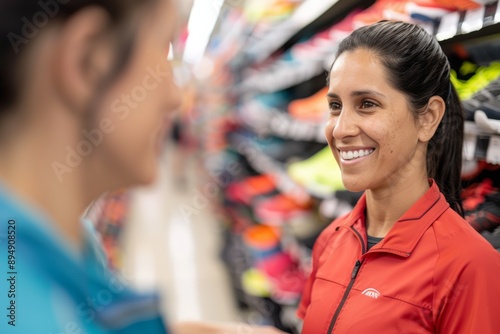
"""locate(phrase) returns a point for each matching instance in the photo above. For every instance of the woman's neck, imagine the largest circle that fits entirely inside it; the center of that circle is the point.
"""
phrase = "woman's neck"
(385, 206)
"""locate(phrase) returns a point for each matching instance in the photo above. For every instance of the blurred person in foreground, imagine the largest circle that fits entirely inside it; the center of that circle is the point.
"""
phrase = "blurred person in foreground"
(85, 94)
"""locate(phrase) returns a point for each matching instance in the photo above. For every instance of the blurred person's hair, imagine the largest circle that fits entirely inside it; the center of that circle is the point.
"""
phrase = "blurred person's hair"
(22, 21)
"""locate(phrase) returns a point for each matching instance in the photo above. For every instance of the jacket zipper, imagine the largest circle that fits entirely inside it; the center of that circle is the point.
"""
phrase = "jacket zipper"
(363, 245)
(351, 283)
(346, 294)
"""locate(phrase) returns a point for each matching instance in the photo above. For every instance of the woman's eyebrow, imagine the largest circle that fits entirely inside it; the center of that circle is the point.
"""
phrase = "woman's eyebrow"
(357, 93)
(366, 92)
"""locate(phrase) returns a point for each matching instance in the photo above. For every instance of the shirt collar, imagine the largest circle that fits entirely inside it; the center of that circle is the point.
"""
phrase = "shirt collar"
(44, 247)
(405, 234)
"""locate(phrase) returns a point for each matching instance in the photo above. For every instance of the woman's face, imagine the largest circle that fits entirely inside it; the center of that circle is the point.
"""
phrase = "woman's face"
(371, 131)
(137, 110)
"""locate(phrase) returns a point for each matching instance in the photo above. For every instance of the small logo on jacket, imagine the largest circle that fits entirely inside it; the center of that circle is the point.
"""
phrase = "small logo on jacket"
(372, 293)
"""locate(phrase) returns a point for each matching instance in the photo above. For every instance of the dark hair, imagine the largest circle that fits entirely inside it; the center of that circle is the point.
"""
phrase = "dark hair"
(418, 67)
(22, 20)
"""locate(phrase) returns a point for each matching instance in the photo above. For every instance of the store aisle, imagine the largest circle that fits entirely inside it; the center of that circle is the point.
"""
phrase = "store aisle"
(177, 254)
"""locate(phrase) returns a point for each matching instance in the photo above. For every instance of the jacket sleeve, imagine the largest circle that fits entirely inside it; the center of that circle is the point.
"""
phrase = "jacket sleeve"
(318, 249)
(468, 300)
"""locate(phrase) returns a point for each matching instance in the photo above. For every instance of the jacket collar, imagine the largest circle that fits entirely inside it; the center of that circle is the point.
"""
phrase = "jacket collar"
(406, 233)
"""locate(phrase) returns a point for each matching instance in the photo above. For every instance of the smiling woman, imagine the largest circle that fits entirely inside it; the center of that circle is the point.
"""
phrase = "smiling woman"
(86, 92)
(368, 115)
(396, 131)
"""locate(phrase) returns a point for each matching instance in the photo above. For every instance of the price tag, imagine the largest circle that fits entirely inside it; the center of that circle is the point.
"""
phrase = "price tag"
(469, 147)
(448, 27)
(493, 153)
(473, 21)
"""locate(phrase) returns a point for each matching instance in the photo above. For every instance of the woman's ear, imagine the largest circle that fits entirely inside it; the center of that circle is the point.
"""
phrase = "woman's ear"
(82, 58)
(430, 119)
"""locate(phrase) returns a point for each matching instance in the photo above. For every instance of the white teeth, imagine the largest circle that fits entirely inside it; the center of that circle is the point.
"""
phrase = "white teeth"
(351, 155)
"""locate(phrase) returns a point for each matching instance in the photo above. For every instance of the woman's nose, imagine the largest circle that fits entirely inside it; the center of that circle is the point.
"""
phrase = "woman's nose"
(345, 125)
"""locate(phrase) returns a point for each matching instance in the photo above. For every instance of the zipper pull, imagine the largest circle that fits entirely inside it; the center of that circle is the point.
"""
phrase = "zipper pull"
(356, 269)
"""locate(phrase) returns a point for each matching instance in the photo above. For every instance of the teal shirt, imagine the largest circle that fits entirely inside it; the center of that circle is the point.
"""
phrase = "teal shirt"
(46, 288)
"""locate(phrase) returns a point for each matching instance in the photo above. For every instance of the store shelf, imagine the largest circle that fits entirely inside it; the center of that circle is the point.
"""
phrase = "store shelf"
(309, 18)
(280, 124)
(452, 28)
(481, 146)
(469, 25)
(304, 15)
(264, 164)
(282, 75)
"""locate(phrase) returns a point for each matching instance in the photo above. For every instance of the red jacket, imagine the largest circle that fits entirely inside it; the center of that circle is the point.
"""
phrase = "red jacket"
(432, 273)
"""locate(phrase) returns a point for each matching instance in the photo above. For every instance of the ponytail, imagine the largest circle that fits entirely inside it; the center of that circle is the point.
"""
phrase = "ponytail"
(444, 152)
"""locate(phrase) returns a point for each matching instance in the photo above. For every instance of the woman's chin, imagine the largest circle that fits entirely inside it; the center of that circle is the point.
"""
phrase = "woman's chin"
(353, 184)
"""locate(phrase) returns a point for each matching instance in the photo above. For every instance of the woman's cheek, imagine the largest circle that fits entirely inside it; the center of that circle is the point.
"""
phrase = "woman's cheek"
(330, 125)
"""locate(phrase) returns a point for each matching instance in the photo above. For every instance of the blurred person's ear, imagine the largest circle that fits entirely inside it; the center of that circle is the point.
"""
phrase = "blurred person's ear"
(83, 57)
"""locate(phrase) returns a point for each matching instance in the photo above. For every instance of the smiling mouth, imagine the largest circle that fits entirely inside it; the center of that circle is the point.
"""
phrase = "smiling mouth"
(353, 155)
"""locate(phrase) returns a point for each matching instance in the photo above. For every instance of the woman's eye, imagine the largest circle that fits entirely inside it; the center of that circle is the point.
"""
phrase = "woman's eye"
(335, 108)
(367, 105)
